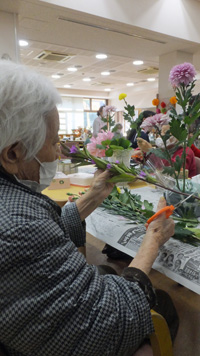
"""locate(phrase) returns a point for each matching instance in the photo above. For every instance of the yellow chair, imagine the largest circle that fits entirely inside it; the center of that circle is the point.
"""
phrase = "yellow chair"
(161, 342)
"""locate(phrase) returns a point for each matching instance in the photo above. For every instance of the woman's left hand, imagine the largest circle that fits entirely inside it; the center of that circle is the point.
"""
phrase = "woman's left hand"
(100, 185)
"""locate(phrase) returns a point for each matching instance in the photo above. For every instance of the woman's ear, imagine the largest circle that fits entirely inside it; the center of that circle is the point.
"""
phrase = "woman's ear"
(11, 157)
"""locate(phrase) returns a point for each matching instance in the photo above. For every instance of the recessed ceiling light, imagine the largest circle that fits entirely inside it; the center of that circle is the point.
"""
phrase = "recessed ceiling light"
(55, 76)
(101, 56)
(105, 73)
(23, 43)
(130, 84)
(107, 89)
(138, 63)
(151, 79)
(72, 69)
(67, 86)
(86, 79)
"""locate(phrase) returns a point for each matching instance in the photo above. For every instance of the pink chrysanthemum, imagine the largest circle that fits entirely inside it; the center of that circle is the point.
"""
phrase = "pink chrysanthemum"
(182, 74)
(92, 146)
(157, 120)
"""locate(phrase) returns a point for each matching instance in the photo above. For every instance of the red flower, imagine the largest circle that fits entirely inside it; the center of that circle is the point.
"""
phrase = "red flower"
(163, 105)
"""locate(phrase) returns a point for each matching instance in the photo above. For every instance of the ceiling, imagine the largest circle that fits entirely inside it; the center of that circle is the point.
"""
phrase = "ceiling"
(80, 37)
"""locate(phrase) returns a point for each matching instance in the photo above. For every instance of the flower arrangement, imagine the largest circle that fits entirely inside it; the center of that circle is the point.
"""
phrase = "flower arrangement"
(105, 144)
(182, 80)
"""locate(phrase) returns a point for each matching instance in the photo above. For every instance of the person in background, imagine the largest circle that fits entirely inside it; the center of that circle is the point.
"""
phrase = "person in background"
(190, 159)
(52, 301)
(98, 122)
(118, 131)
(132, 135)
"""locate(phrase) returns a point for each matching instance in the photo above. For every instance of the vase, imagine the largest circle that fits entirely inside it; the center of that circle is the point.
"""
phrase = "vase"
(121, 156)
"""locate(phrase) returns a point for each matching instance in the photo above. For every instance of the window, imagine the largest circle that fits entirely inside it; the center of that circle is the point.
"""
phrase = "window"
(78, 112)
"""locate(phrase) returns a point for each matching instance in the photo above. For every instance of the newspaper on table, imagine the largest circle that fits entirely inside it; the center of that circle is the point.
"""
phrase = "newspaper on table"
(178, 261)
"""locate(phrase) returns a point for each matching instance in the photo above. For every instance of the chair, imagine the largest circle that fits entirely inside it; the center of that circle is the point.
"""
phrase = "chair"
(160, 340)
(197, 161)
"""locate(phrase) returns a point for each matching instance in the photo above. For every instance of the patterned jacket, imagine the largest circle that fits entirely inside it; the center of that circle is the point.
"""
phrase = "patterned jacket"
(52, 303)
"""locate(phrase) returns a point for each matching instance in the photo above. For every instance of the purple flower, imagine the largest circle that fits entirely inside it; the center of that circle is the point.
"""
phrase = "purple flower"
(142, 174)
(73, 149)
(182, 74)
(116, 161)
(93, 162)
(109, 166)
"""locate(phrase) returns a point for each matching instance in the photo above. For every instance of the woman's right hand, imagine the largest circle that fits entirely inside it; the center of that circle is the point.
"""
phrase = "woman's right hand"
(160, 229)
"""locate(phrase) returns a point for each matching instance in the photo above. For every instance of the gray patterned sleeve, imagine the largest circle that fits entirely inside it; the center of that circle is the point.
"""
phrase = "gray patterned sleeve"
(72, 222)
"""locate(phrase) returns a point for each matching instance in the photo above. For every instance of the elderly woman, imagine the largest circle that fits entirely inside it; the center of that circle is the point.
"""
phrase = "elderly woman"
(52, 302)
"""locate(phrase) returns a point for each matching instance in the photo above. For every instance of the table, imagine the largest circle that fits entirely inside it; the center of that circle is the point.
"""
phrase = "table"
(179, 261)
(60, 195)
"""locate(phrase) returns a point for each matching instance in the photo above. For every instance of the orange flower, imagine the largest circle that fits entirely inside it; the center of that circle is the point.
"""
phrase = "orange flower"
(173, 100)
(155, 102)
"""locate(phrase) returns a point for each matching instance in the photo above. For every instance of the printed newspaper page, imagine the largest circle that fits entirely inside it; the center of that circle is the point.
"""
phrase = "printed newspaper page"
(179, 261)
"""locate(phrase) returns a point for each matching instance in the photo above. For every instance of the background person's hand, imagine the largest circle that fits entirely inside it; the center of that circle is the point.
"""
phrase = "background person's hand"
(143, 145)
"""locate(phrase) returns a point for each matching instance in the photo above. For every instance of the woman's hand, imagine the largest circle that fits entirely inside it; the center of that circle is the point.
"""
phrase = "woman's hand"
(99, 190)
(159, 231)
(100, 185)
(143, 145)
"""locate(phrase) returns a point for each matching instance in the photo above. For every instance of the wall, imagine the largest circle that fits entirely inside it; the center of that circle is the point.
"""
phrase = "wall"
(8, 38)
(170, 17)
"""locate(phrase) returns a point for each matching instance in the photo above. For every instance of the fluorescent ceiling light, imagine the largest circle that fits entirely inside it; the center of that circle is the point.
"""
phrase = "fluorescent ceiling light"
(130, 84)
(23, 43)
(72, 69)
(151, 79)
(107, 89)
(67, 86)
(105, 73)
(55, 76)
(101, 56)
(86, 79)
(138, 63)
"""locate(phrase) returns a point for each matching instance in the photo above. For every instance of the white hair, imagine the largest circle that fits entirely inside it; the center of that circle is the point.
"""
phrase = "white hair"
(26, 98)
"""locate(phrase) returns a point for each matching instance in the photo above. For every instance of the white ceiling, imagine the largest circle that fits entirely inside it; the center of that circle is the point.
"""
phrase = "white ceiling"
(82, 36)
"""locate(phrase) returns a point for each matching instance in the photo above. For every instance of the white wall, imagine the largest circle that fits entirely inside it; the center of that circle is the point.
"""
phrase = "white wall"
(178, 18)
(141, 99)
(8, 38)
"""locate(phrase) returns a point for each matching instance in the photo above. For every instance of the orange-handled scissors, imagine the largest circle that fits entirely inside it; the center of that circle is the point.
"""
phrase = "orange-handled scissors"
(168, 210)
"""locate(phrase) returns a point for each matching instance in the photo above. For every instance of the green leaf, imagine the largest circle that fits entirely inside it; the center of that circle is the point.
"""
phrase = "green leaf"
(169, 170)
(109, 152)
(106, 142)
(121, 178)
(160, 153)
(119, 148)
(147, 205)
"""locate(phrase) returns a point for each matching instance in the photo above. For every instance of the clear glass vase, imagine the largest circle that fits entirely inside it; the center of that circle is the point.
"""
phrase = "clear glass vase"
(121, 156)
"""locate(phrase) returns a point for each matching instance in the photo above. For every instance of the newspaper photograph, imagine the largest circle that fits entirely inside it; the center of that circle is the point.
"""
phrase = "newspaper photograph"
(177, 260)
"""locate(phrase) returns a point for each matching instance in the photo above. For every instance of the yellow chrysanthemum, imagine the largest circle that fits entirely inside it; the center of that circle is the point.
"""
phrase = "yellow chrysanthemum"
(122, 96)
(173, 100)
(155, 102)
(119, 190)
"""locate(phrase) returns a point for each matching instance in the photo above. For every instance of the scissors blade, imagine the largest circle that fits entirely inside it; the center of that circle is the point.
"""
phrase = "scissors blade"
(182, 201)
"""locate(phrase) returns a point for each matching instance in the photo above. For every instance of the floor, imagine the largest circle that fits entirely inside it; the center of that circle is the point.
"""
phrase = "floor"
(187, 303)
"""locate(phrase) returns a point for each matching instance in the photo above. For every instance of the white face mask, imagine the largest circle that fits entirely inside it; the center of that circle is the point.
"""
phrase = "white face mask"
(46, 174)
